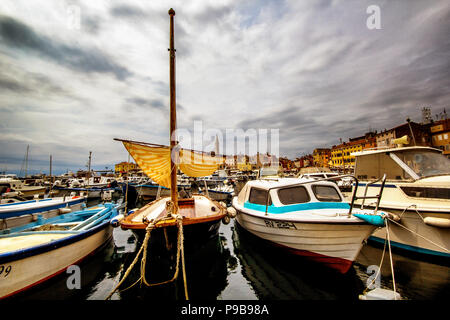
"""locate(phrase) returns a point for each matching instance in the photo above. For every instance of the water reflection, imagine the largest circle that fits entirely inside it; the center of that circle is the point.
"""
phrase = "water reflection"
(276, 275)
(415, 279)
(238, 265)
(93, 270)
(206, 273)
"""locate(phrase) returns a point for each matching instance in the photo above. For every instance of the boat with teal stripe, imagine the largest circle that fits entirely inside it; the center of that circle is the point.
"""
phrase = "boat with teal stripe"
(306, 217)
(18, 213)
(36, 252)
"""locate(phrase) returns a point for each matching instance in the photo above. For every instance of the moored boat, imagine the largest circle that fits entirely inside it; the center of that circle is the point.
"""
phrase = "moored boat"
(201, 215)
(201, 218)
(32, 254)
(417, 193)
(19, 213)
(151, 191)
(307, 218)
(25, 191)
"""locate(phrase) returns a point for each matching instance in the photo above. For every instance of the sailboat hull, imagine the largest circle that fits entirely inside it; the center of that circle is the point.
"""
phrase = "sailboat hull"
(201, 220)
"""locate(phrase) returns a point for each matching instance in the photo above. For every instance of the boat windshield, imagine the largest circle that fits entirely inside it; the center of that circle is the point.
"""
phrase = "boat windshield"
(268, 172)
(425, 163)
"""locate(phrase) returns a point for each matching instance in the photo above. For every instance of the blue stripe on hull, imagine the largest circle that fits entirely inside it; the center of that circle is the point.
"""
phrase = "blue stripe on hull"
(41, 209)
(297, 207)
(25, 253)
(411, 248)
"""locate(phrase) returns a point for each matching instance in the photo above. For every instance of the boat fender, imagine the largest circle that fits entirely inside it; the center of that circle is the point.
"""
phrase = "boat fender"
(223, 204)
(375, 219)
(115, 222)
(231, 212)
(392, 216)
(64, 210)
(226, 219)
(437, 222)
(380, 294)
(131, 211)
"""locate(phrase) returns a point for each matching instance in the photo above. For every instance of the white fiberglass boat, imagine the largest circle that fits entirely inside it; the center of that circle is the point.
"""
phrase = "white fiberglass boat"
(307, 217)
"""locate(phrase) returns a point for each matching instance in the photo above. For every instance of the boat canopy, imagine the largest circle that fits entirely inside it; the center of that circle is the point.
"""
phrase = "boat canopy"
(154, 160)
(410, 163)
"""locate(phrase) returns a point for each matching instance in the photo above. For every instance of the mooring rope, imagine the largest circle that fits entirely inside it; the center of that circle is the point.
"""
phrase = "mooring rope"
(417, 234)
(144, 247)
(390, 257)
(379, 268)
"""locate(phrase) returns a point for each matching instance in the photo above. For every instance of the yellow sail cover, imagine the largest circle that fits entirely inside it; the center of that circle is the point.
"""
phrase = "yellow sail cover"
(155, 162)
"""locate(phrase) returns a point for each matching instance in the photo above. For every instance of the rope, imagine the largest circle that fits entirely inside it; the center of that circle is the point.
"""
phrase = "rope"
(411, 206)
(390, 257)
(144, 244)
(418, 235)
(379, 269)
(144, 247)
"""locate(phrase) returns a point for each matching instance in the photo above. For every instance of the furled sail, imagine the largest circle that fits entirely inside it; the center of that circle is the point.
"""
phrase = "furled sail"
(154, 160)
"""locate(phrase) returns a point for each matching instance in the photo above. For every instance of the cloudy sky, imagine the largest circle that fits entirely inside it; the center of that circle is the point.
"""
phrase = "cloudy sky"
(76, 74)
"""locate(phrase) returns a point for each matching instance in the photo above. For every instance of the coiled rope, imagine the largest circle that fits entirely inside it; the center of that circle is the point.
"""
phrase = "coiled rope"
(180, 253)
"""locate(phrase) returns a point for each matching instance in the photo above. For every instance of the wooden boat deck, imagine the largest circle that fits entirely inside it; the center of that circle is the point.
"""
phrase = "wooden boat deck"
(191, 211)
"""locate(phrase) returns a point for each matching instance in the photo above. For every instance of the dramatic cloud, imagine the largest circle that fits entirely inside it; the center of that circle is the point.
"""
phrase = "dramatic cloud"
(76, 74)
(18, 35)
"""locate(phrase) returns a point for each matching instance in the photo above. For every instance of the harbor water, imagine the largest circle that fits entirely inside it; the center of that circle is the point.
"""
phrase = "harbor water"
(239, 266)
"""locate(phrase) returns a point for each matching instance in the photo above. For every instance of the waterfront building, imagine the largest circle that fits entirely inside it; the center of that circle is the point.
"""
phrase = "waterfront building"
(124, 167)
(385, 138)
(440, 135)
(341, 155)
(321, 157)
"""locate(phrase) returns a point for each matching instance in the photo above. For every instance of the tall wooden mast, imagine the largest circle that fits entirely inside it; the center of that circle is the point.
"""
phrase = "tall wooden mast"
(173, 117)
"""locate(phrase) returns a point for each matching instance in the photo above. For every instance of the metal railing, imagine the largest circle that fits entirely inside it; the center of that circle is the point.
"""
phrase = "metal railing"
(378, 196)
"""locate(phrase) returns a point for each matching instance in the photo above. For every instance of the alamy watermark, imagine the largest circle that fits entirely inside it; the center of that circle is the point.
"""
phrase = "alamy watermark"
(374, 19)
(253, 146)
(74, 279)
(374, 281)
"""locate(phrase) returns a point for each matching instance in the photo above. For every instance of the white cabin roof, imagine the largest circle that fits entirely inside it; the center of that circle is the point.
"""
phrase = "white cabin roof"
(375, 151)
(281, 182)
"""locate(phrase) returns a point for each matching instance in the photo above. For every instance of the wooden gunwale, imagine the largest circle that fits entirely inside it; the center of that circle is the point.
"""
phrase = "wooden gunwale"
(127, 222)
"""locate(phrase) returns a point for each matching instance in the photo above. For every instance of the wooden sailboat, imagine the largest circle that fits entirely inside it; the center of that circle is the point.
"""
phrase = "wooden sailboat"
(200, 214)
(178, 222)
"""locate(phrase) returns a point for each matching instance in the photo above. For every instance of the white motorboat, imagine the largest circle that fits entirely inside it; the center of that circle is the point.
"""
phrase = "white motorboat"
(306, 217)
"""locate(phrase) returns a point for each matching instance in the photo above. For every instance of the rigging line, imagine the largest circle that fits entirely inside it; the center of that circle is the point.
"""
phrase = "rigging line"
(390, 258)
(149, 144)
(418, 235)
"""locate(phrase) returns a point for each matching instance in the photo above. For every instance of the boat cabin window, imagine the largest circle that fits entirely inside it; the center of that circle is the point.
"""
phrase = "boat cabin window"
(326, 193)
(293, 195)
(425, 163)
(373, 166)
(259, 196)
